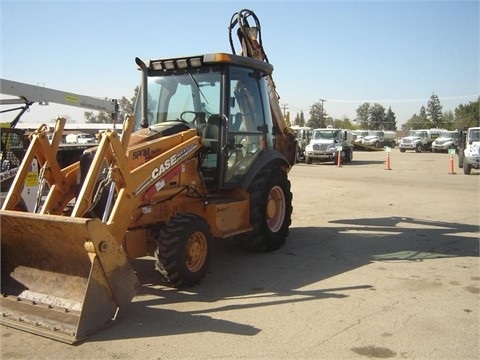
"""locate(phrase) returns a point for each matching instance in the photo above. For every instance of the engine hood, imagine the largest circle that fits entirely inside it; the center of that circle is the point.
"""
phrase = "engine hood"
(442, 140)
(411, 138)
(322, 141)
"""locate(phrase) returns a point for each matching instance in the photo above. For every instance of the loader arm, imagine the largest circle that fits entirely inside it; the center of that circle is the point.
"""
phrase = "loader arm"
(60, 181)
(131, 183)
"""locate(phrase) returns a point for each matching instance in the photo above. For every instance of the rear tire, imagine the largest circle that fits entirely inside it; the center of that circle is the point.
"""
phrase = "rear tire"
(270, 211)
(467, 168)
(298, 154)
(348, 155)
(184, 247)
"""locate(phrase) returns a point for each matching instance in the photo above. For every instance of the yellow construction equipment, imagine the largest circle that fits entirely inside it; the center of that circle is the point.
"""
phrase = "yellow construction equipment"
(206, 155)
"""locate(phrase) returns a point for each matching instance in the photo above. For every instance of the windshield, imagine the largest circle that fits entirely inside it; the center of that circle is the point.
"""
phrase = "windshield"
(375, 133)
(302, 133)
(188, 95)
(325, 134)
(474, 135)
(416, 133)
(446, 134)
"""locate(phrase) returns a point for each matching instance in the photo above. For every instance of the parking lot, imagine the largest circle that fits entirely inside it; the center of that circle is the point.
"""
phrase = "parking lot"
(378, 264)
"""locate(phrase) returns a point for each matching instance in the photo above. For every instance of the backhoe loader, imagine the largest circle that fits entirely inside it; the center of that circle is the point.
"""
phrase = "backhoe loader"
(205, 155)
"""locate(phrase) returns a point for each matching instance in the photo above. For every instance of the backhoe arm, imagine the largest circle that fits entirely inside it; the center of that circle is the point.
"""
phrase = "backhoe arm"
(251, 41)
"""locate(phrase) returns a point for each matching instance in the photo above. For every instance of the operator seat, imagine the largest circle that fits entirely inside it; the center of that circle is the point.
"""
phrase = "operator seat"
(211, 137)
(211, 133)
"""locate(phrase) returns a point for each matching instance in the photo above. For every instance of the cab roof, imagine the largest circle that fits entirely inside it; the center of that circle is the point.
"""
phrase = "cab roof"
(211, 59)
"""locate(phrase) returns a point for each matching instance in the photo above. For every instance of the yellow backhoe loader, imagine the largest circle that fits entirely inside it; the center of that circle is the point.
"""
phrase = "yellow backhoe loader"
(206, 155)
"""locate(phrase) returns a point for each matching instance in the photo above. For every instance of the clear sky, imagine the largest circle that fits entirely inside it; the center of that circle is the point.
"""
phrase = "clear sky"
(396, 53)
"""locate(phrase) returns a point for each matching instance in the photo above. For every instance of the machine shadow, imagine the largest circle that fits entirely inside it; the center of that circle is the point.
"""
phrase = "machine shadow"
(310, 255)
(354, 162)
(364, 162)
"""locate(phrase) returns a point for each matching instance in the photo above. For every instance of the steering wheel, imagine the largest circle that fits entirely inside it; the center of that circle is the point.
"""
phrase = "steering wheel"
(188, 116)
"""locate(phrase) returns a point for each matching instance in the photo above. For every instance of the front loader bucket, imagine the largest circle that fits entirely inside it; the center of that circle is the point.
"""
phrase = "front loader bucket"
(62, 277)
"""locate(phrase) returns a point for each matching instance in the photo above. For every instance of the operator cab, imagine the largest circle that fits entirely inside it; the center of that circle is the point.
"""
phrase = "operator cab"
(223, 96)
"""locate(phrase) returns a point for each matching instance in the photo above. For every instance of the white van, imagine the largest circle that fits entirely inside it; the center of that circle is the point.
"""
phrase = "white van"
(79, 139)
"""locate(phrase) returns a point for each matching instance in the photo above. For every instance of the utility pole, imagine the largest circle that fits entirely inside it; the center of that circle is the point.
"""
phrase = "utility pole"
(321, 112)
(285, 107)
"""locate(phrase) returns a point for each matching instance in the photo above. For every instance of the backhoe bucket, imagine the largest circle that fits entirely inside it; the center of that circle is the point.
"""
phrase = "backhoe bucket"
(62, 277)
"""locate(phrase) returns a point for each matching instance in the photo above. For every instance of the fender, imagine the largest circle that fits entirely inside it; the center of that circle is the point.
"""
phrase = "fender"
(266, 157)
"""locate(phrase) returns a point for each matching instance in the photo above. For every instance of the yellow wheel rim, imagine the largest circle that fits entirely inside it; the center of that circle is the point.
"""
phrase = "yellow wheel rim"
(197, 248)
(275, 209)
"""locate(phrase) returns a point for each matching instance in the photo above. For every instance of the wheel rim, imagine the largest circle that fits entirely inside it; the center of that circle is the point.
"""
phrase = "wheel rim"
(196, 251)
(275, 209)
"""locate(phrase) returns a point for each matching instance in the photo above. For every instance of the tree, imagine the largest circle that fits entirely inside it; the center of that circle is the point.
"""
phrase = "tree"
(125, 107)
(101, 118)
(343, 123)
(300, 119)
(411, 123)
(423, 115)
(416, 122)
(467, 115)
(434, 111)
(287, 119)
(363, 115)
(390, 120)
(448, 119)
(317, 116)
(376, 117)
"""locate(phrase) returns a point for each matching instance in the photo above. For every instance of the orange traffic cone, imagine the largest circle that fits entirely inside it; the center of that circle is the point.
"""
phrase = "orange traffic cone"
(452, 167)
(387, 163)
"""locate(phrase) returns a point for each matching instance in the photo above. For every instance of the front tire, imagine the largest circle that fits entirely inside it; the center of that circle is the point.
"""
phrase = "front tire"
(270, 211)
(184, 247)
(418, 148)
